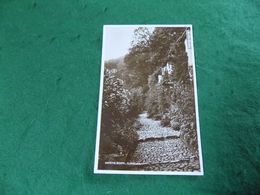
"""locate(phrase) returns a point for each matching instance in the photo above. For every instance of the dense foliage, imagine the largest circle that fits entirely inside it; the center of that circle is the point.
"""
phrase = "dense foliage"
(131, 86)
(172, 102)
(118, 135)
(154, 50)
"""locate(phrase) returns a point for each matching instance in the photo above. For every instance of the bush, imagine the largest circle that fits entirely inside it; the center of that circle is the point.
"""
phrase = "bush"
(117, 135)
(165, 121)
(175, 125)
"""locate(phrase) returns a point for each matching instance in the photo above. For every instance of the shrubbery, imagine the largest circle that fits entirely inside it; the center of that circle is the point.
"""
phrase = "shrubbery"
(118, 135)
(171, 102)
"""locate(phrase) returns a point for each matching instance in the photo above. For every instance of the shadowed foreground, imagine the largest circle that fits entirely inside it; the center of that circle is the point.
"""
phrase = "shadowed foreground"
(159, 149)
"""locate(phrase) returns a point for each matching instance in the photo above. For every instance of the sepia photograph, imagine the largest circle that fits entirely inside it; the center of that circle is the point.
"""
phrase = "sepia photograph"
(148, 120)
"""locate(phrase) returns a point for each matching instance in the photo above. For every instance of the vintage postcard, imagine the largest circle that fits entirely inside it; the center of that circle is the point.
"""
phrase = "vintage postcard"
(148, 120)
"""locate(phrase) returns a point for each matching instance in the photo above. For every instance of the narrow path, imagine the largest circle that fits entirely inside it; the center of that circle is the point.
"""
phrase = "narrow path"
(153, 129)
(161, 154)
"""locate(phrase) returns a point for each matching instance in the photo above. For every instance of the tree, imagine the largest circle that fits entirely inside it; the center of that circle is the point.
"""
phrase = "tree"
(152, 50)
(117, 135)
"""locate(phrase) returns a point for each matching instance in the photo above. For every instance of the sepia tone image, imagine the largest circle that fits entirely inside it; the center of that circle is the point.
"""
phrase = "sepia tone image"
(148, 114)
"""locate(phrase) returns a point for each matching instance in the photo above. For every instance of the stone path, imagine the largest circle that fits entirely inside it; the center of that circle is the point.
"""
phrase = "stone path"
(162, 154)
(153, 129)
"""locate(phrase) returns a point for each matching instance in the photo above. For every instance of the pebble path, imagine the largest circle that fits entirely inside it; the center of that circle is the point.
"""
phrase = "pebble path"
(164, 154)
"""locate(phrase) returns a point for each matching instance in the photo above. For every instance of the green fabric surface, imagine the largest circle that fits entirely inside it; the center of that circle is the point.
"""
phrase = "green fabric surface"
(50, 54)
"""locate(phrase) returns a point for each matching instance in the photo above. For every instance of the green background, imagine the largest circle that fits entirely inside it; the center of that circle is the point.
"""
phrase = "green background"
(50, 54)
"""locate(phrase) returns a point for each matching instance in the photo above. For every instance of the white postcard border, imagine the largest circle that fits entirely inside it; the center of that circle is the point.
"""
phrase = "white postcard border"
(98, 171)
